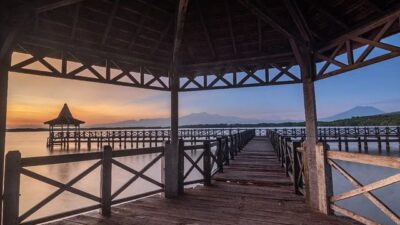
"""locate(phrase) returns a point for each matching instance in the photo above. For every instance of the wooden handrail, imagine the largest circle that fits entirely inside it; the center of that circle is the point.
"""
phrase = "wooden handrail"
(376, 160)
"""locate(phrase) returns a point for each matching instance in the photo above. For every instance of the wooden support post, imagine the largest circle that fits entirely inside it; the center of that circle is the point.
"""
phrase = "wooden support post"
(171, 177)
(207, 163)
(12, 188)
(181, 166)
(305, 59)
(105, 191)
(4, 65)
(324, 174)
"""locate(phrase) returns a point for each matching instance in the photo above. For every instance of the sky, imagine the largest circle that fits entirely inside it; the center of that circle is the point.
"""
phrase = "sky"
(35, 99)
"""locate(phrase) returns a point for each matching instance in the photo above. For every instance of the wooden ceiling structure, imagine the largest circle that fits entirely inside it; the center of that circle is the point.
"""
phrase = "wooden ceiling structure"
(189, 45)
(224, 43)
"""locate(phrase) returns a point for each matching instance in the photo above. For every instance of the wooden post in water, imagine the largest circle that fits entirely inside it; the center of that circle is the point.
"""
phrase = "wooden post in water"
(105, 188)
(12, 188)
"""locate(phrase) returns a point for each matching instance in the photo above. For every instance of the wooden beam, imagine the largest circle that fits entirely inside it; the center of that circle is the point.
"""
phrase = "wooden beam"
(325, 12)
(361, 30)
(229, 17)
(139, 28)
(162, 36)
(260, 37)
(76, 19)
(205, 29)
(109, 22)
(374, 6)
(375, 160)
(180, 22)
(353, 215)
(262, 14)
(44, 6)
(299, 20)
(284, 57)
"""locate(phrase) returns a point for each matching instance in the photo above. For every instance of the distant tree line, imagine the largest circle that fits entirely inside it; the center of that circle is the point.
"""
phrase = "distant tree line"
(390, 119)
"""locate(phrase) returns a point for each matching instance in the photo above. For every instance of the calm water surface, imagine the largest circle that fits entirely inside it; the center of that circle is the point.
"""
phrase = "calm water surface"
(33, 191)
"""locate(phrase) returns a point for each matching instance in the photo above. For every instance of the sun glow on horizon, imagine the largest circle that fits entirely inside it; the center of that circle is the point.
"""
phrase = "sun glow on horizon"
(35, 99)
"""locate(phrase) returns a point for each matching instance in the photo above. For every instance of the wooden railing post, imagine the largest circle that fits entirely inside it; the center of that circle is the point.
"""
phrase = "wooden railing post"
(220, 155)
(324, 175)
(236, 144)
(105, 190)
(207, 163)
(12, 188)
(227, 150)
(296, 170)
(181, 166)
(232, 147)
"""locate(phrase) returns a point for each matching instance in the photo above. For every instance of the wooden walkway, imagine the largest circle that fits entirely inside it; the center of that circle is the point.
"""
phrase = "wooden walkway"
(252, 190)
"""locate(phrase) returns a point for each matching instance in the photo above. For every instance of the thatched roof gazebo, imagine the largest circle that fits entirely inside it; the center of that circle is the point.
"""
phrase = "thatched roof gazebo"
(64, 119)
(190, 45)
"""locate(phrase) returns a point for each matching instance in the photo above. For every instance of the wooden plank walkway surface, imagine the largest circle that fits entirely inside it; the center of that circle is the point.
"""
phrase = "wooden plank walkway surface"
(252, 190)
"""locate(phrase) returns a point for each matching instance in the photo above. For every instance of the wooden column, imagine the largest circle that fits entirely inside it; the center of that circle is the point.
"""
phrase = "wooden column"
(5, 63)
(305, 59)
(171, 153)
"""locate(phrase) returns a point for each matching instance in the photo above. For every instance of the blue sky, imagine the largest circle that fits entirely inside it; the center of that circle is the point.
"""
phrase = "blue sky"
(376, 85)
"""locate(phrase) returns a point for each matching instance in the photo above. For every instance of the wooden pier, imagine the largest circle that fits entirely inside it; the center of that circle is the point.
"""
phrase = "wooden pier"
(252, 190)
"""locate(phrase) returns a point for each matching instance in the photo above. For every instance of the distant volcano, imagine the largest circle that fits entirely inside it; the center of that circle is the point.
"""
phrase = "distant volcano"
(191, 119)
(354, 112)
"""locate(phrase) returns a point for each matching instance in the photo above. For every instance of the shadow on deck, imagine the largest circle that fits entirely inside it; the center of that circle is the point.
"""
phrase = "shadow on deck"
(252, 190)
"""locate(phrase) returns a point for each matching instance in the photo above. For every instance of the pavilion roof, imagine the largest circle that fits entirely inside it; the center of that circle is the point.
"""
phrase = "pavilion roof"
(218, 34)
(64, 118)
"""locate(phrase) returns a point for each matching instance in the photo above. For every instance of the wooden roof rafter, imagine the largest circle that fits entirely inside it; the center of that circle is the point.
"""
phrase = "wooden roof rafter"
(262, 32)
(75, 20)
(109, 22)
(325, 12)
(229, 17)
(205, 28)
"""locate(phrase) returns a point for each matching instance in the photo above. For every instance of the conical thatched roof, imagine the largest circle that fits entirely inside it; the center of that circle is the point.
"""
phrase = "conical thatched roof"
(64, 118)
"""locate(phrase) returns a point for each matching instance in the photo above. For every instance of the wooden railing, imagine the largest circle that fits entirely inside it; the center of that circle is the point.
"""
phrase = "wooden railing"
(290, 153)
(344, 136)
(226, 148)
(330, 163)
(17, 166)
(215, 154)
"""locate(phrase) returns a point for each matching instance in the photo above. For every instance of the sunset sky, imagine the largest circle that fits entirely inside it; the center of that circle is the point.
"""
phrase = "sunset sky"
(35, 99)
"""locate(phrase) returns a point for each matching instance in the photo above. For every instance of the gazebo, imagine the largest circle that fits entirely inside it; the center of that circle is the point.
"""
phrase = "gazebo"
(64, 120)
(193, 45)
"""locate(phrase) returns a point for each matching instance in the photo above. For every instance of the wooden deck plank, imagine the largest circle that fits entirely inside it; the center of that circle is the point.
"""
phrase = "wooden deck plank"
(252, 190)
